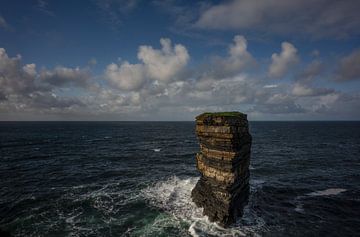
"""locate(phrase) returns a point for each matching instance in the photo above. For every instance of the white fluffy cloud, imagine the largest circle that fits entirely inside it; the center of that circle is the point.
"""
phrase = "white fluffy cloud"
(165, 63)
(158, 64)
(126, 76)
(281, 63)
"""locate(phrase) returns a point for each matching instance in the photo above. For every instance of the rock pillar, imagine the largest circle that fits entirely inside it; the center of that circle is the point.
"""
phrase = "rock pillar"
(223, 162)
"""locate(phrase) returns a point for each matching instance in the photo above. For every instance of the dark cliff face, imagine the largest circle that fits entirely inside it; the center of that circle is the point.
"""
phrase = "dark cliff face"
(223, 162)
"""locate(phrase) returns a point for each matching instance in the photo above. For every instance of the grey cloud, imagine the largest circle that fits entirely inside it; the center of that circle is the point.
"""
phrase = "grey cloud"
(315, 18)
(49, 101)
(314, 69)
(349, 67)
(306, 90)
(337, 106)
(2, 96)
(22, 90)
(14, 78)
(278, 104)
(304, 84)
(63, 76)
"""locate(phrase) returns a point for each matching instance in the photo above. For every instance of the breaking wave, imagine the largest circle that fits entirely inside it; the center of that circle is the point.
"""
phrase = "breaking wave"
(174, 197)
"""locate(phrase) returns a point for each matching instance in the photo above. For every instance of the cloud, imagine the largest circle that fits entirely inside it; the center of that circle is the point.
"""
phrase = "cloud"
(349, 67)
(126, 76)
(337, 105)
(315, 18)
(278, 104)
(13, 77)
(271, 86)
(238, 58)
(49, 100)
(4, 24)
(21, 90)
(281, 63)
(314, 69)
(157, 64)
(304, 90)
(160, 86)
(64, 77)
(303, 86)
(165, 63)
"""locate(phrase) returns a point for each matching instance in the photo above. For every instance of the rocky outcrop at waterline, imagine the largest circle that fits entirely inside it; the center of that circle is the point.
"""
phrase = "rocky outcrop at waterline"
(223, 161)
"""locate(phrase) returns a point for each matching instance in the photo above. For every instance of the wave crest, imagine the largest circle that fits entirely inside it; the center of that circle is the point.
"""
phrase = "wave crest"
(174, 197)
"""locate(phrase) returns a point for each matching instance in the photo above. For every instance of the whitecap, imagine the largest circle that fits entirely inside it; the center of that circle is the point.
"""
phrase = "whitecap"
(327, 192)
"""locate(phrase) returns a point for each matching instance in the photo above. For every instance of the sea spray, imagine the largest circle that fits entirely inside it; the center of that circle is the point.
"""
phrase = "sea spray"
(173, 196)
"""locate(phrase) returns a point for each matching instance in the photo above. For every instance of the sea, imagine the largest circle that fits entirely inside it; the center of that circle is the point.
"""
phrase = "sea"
(135, 179)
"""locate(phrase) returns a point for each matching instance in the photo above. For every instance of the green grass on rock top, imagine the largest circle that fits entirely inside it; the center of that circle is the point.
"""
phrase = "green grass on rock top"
(220, 114)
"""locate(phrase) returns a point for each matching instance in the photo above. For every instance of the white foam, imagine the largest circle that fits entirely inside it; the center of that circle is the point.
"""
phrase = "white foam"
(174, 196)
(327, 192)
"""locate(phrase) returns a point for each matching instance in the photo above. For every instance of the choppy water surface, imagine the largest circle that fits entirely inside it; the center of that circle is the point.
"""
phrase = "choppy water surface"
(135, 179)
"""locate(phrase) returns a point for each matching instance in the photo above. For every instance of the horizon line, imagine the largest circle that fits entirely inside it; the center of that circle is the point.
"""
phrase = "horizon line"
(172, 120)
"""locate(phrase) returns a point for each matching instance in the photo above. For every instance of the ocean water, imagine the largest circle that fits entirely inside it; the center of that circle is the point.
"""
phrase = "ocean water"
(135, 179)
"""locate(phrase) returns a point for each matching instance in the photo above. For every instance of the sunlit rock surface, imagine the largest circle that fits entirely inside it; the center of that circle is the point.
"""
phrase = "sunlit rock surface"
(223, 162)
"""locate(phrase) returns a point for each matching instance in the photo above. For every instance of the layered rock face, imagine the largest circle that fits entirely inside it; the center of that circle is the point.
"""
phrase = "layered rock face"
(223, 162)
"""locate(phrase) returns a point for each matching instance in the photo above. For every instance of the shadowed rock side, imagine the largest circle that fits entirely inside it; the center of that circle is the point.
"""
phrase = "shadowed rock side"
(223, 162)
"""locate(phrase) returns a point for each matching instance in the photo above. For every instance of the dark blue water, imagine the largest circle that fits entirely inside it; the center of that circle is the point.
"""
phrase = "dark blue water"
(135, 179)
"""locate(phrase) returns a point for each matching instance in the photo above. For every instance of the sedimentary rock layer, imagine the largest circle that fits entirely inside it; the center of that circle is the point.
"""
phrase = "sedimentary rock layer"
(223, 162)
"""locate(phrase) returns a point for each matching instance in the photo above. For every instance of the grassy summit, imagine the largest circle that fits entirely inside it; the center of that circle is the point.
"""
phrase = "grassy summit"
(220, 114)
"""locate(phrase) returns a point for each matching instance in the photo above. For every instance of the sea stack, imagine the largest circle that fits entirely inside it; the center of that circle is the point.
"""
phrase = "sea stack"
(223, 161)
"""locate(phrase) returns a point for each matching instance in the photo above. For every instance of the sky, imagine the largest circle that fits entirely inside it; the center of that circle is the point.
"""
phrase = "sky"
(172, 60)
